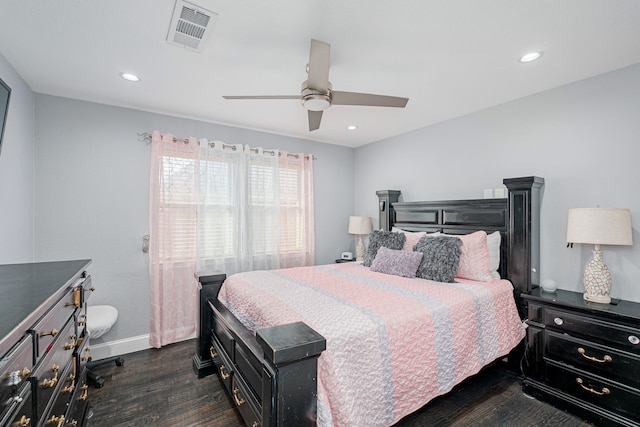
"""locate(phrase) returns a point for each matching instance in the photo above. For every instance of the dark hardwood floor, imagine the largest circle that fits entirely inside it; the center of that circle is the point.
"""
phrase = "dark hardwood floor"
(159, 388)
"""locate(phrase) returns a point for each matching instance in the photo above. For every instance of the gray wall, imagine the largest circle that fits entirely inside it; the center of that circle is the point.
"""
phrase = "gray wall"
(16, 172)
(583, 138)
(92, 187)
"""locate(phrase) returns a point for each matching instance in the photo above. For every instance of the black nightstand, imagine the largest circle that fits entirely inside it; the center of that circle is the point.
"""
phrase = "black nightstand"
(584, 354)
(338, 261)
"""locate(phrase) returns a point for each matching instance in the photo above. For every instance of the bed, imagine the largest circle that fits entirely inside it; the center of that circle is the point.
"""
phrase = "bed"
(373, 360)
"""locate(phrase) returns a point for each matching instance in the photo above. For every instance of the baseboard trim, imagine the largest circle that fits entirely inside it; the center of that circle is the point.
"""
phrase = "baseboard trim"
(119, 347)
(124, 346)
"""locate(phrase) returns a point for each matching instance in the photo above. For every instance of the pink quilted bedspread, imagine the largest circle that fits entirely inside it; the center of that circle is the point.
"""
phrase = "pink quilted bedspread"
(393, 343)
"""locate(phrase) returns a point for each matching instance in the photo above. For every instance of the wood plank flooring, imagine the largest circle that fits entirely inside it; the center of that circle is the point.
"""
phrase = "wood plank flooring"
(158, 388)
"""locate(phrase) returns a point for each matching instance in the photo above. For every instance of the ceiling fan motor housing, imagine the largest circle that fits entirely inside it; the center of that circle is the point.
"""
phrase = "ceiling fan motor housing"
(315, 100)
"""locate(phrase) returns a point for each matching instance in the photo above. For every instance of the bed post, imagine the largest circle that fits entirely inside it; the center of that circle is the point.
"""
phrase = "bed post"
(208, 287)
(385, 208)
(524, 234)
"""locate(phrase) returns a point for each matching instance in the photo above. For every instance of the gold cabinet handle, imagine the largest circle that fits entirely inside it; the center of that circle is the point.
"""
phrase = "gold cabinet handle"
(24, 373)
(54, 420)
(212, 352)
(50, 383)
(223, 375)
(73, 423)
(69, 389)
(591, 390)
(24, 421)
(53, 333)
(255, 424)
(85, 392)
(238, 399)
(605, 359)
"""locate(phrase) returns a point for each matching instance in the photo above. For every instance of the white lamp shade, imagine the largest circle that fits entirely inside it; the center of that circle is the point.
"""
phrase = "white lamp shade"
(600, 226)
(360, 225)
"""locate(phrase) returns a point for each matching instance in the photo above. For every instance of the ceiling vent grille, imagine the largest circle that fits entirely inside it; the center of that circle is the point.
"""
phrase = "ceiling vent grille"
(190, 26)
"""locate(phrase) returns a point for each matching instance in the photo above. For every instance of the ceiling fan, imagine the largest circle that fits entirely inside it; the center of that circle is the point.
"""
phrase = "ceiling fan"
(317, 94)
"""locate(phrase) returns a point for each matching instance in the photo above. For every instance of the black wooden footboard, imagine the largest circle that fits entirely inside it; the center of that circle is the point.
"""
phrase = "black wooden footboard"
(272, 376)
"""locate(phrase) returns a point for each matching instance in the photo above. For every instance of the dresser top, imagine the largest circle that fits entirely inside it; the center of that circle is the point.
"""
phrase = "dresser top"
(27, 289)
(575, 300)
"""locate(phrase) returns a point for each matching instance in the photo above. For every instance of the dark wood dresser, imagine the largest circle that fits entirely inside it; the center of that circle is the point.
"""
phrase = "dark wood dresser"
(585, 354)
(43, 344)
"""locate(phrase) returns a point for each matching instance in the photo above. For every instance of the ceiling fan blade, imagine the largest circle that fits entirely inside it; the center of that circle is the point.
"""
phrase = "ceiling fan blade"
(354, 98)
(319, 66)
(314, 119)
(264, 97)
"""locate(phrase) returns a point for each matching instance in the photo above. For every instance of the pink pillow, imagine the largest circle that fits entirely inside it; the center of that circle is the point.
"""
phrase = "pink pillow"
(474, 257)
(412, 239)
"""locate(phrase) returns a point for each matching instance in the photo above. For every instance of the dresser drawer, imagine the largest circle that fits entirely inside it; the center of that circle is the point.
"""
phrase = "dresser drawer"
(52, 369)
(223, 365)
(246, 402)
(55, 410)
(47, 329)
(250, 368)
(606, 333)
(15, 369)
(20, 412)
(594, 358)
(77, 407)
(597, 391)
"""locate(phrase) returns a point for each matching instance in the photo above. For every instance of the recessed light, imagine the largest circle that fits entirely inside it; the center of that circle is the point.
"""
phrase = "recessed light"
(531, 56)
(352, 127)
(130, 77)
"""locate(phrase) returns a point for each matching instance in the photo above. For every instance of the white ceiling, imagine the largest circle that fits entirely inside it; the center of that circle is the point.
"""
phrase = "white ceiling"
(450, 57)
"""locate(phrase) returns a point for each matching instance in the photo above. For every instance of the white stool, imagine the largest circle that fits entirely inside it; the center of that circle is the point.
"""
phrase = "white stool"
(100, 318)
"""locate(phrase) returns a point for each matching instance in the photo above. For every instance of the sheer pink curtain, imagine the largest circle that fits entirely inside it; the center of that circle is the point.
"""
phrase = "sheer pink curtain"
(172, 258)
(297, 240)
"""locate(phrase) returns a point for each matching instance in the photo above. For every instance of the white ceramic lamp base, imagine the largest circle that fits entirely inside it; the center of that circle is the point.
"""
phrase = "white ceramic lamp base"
(360, 250)
(597, 280)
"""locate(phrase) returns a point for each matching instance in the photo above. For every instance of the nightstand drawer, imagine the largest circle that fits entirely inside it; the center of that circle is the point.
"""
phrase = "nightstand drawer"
(593, 358)
(619, 336)
(610, 396)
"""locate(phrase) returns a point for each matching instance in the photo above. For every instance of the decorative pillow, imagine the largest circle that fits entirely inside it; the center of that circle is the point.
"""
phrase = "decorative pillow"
(474, 258)
(379, 239)
(412, 237)
(493, 244)
(396, 262)
(441, 258)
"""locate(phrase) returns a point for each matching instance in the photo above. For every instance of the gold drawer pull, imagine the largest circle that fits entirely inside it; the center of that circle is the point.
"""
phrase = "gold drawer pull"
(24, 421)
(50, 383)
(606, 358)
(73, 423)
(212, 352)
(591, 390)
(85, 392)
(223, 375)
(239, 400)
(55, 419)
(255, 424)
(69, 346)
(68, 389)
(24, 373)
(53, 333)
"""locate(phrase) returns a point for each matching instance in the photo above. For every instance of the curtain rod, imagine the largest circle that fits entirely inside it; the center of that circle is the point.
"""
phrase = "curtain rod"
(147, 136)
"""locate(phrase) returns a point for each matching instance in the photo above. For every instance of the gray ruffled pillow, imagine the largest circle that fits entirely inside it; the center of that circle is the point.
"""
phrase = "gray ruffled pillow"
(396, 262)
(441, 258)
(380, 239)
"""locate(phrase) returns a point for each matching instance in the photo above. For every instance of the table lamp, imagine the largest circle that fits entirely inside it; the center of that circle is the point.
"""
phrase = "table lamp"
(360, 226)
(599, 226)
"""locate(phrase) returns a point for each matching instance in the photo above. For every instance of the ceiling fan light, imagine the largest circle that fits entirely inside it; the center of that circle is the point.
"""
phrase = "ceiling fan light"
(316, 102)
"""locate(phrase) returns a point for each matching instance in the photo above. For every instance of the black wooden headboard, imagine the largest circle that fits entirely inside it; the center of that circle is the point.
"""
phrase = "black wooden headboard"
(517, 218)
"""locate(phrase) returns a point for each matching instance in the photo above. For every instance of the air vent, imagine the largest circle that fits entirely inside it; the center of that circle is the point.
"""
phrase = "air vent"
(190, 26)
